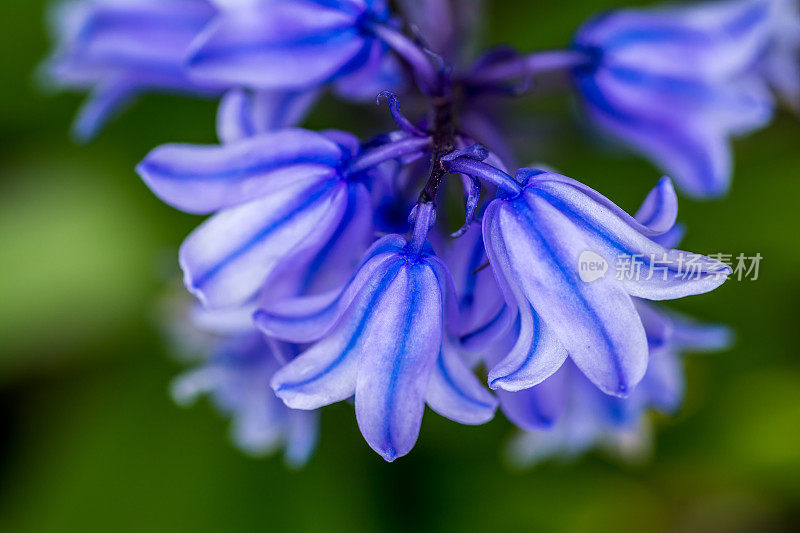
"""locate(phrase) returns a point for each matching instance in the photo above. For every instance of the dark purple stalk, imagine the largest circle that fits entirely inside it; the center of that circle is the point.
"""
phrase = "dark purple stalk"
(444, 142)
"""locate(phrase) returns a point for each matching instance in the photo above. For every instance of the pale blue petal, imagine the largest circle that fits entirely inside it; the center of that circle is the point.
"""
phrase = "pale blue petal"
(105, 101)
(660, 208)
(536, 355)
(664, 382)
(690, 335)
(203, 179)
(307, 319)
(302, 434)
(712, 39)
(393, 376)
(227, 260)
(286, 45)
(540, 407)
(455, 392)
(326, 372)
(663, 274)
(538, 248)
(657, 326)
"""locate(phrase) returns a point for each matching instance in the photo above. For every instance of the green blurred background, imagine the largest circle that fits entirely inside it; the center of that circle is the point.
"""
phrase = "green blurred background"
(90, 440)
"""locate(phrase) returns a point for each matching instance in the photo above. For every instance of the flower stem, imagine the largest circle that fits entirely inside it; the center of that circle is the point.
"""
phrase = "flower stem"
(485, 172)
(386, 152)
(527, 66)
(444, 142)
(424, 216)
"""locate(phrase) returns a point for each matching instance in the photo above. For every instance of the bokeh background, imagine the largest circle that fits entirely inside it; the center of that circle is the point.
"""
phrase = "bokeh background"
(90, 440)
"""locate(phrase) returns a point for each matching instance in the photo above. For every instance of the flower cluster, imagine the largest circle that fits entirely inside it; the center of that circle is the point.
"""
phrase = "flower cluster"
(328, 270)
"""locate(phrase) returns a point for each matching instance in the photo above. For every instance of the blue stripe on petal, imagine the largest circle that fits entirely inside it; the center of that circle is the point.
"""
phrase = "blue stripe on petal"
(399, 353)
(455, 392)
(536, 356)
(595, 322)
(664, 272)
(227, 260)
(660, 208)
(325, 373)
(307, 319)
(203, 179)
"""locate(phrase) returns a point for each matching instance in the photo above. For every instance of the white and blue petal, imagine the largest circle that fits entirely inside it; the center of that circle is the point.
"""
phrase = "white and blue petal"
(535, 248)
(536, 355)
(326, 372)
(203, 179)
(279, 45)
(454, 391)
(659, 210)
(663, 273)
(227, 260)
(401, 342)
(309, 318)
(382, 340)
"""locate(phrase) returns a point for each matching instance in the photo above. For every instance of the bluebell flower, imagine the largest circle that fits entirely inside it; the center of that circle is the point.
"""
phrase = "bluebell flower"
(382, 340)
(535, 233)
(291, 210)
(291, 45)
(566, 415)
(120, 49)
(239, 364)
(676, 83)
(307, 308)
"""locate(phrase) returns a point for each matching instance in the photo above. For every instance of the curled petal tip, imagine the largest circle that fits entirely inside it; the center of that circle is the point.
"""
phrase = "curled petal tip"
(394, 108)
(500, 383)
(659, 210)
(472, 188)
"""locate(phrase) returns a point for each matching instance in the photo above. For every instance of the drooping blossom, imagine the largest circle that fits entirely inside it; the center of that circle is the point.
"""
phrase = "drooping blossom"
(536, 232)
(382, 341)
(674, 83)
(119, 49)
(566, 413)
(677, 83)
(298, 45)
(290, 247)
